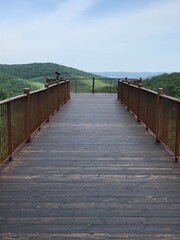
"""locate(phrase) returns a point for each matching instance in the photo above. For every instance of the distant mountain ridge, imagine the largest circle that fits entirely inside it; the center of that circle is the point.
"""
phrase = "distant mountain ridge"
(142, 75)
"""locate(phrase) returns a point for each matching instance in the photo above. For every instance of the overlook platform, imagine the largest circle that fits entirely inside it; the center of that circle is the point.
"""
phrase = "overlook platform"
(92, 172)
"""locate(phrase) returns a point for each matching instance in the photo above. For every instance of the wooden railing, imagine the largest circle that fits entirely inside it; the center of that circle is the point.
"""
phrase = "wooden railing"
(94, 85)
(159, 113)
(22, 115)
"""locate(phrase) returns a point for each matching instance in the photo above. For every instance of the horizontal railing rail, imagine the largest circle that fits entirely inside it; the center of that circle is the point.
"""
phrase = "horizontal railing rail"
(22, 115)
(94, 85)
(159, 113)
(50, 81)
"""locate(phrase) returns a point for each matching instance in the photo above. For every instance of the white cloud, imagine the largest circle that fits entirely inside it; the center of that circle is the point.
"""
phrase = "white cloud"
(102, 43)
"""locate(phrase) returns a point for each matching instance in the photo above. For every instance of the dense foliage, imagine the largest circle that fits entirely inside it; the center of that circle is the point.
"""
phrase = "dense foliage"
(36, 70)
(4, 93)
(12, 86)
(14, 78)
(169, 82)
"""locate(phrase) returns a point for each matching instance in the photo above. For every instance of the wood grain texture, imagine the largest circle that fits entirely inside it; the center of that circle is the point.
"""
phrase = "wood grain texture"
(92, 172)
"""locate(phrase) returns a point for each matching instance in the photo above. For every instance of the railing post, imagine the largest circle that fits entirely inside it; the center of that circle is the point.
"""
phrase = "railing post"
(93, 85)
(68, 89)
(158, 114)
(118, 92)
(122, 92)
(39, 112)
(128, 96)
(177, 144)
(27, 115)
(9, 122)
(138, 101)
(110, 85)
(58, 96)
(65, 91)
(76, 85)
(47, 101)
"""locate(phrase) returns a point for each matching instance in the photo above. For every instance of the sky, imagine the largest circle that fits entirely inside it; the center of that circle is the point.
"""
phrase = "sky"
(92, 35)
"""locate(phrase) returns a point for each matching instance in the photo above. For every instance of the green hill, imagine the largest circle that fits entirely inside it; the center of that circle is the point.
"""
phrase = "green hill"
(169, 82)
(41, 70)
(12, 86)
(14, 78)
(4, 94)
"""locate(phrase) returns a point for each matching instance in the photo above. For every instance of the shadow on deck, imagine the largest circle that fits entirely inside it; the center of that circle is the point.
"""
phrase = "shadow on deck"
(93, 172)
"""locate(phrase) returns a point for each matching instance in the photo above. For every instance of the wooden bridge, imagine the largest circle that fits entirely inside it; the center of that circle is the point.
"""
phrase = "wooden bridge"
(92, 172)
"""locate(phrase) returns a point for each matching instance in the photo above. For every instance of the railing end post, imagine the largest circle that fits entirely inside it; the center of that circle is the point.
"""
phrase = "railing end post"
(28, 140)
(93, 90)
(157, 140)
(27, 116)
(160, 91)
(26, 91)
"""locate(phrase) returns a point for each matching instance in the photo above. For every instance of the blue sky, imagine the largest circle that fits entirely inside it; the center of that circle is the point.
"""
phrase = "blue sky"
(92, 35)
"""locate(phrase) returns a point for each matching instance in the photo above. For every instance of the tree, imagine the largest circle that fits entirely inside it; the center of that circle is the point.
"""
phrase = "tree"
(3, 94)
(169, 82)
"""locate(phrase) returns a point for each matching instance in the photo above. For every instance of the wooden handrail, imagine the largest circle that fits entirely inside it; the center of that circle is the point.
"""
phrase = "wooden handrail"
(20, 116)
(159, 113)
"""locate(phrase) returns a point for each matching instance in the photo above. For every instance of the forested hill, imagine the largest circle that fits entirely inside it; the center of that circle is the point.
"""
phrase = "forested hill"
(13, 86)
(34, 70)
(169, 82)
(14, 78)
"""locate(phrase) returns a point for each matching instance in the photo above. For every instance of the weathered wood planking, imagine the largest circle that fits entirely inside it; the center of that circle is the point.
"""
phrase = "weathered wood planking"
(92, 172)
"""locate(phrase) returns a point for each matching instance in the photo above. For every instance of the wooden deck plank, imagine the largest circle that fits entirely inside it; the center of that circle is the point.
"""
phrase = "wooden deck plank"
(92, 172)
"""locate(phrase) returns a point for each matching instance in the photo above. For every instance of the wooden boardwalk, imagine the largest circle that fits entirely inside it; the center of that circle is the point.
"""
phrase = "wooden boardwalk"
(92, 172)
